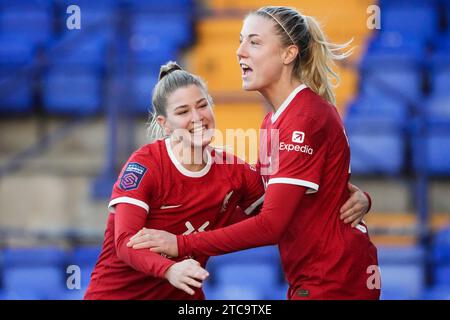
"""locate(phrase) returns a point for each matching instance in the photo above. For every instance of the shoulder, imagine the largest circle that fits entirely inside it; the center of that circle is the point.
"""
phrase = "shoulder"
(148, 153)
(266, 120)
(311, 109)
(145, 159)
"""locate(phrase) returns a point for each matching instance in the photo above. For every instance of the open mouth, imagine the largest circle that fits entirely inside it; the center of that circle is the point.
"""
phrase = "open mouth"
(246, 70)
(198, 129)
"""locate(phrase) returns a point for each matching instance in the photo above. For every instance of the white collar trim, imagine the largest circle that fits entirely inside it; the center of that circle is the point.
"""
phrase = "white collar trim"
(286, 102)
(183, 170)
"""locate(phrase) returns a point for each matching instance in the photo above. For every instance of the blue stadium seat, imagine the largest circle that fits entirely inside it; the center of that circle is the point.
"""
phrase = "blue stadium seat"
(431, 149)
(15, 51)
(404, 84)
(16, 85)
(85, 258)
(278, 292)
(418, 20)
(98, 19)
(232, 292)
(438, 106)
(256, 275)
(438, 152)
(378, 108)
(33, 273)
(72, 92)
(16, 94)
(41, 256)
(174, 30)
(151, 51)
(441, 73)
(183, 6)
(441, 42)
(142, 85)
(375, 152)
(401, 282)
(266, 254)
(34, 282)
(399, 255)
(79, 50)
(394, 43)
(441, 273)
(438, 292)
(31, 19)
(402, 273)
(441, 246)
(441, 256)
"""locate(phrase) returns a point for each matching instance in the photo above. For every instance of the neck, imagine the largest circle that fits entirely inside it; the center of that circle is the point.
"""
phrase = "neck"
(191, 158)
(278, 92)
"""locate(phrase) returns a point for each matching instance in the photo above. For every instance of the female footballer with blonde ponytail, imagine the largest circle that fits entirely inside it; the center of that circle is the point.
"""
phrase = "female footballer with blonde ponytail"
(285, 56)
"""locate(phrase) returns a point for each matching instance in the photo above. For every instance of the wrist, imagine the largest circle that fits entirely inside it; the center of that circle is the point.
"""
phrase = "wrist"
(167, 269)
(181, 246)
(369, 200)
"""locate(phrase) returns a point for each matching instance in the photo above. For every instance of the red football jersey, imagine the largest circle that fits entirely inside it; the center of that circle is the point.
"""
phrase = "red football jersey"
(326, 258)
(303, 144)
(178, 201)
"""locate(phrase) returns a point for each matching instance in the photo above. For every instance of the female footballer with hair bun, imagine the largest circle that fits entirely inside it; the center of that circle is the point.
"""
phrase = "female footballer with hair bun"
(285, 56)
(161, 186)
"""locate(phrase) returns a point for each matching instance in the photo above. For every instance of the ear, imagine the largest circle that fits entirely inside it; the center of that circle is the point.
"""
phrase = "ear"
(162, 121)
(290, 53)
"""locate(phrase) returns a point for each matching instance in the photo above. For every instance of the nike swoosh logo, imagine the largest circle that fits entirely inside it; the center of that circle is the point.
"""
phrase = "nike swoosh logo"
(170, 207)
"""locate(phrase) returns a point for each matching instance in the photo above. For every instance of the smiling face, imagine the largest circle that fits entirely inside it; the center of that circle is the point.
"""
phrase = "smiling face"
(189, 116)
(260, 53)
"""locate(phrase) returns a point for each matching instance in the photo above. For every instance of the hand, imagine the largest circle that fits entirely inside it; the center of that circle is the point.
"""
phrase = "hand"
(184, 274)
(356, 206)
(157, 240)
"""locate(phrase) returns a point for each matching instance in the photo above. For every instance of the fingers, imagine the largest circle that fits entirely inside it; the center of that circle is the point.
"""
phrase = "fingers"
(352, 218)
(157, 249)
(348, 204)
(195, 262)
(352, 188)
(200, 274)
(193, 283)
(186, 275)
(139, 233)
(350, 212)
(144, 236)
(195, 270)
(139, 239)
(356, 222)
(186, 288)
(145, 245)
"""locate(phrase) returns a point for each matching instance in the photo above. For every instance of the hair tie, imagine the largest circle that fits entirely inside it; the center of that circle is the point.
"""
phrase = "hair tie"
(273, 17)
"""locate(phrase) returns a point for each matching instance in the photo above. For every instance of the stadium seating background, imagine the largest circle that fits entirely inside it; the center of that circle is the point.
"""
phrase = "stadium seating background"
(73, 105)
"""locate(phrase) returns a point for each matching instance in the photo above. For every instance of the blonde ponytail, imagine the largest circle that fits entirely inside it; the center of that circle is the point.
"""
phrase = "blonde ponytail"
(316, 71)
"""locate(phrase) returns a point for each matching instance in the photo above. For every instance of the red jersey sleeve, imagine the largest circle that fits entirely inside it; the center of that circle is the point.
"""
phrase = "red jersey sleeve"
(135, 183)
(266, 228)
(301, 154)
(129, 219)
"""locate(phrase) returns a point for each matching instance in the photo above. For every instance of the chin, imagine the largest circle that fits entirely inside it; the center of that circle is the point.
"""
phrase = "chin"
(196, 143)
(248, 87)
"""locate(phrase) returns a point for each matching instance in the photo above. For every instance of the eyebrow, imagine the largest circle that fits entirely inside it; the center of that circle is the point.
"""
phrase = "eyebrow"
(250, 35)
(185, 105)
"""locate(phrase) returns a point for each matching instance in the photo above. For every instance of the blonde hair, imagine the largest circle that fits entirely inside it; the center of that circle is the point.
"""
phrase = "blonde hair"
(171, 78)
(314, 63)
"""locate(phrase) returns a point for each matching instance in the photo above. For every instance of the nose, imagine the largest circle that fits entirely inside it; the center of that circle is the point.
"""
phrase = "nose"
(196, 115)
(241, 51)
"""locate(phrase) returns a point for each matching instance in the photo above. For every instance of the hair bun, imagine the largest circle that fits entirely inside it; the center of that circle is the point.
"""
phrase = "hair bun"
(168, 68)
